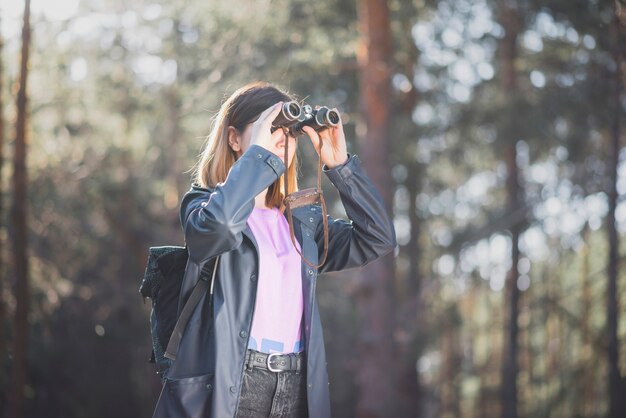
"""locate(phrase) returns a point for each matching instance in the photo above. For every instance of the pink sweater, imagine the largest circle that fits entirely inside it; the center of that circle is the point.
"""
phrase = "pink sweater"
(279, 302)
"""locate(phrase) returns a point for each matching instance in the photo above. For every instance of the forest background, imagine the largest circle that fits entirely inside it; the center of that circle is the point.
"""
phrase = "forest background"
(493, 129)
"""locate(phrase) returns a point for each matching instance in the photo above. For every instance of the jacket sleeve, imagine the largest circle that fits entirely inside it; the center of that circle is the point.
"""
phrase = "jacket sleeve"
(213, 220)
(369, 232)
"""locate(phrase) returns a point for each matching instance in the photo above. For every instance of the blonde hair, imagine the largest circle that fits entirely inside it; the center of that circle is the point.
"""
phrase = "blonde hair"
(241, 108)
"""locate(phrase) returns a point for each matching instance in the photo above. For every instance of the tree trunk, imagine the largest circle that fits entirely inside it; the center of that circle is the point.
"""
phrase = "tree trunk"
(510, 368)
(587, 384)
(412, 322)
(616, 403)
(376, 377)
(508, 54)
(3, 270)
(172, 149)
(451, 364)
(20, 334)
(172, 146)
(409, 321)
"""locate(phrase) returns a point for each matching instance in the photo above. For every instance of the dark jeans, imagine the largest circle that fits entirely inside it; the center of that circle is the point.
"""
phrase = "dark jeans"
(271, 394)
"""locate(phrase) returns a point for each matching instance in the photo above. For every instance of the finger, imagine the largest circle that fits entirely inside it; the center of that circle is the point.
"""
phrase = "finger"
(338, 113)
(263, 116)
(336, 129)
(271, 114)
(323, 132)
(312, 134)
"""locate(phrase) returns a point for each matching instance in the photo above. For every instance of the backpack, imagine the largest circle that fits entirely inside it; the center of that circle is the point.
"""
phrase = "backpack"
(161, 283)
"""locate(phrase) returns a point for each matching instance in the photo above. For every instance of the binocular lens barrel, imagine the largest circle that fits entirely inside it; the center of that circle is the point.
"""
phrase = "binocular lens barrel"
(318, 119)
(289, 114)
(292, 109)
(326, 117)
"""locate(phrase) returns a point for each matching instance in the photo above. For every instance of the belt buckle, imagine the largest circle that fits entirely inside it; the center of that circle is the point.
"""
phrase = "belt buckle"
(269, 366)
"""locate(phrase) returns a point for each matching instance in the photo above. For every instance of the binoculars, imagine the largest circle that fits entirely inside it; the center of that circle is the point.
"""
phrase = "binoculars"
(294, 117)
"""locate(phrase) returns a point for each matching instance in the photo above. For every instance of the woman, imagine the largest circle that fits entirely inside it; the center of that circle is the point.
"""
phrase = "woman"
(260, 350)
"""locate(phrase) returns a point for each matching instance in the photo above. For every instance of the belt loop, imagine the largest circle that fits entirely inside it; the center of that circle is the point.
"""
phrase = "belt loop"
(293, 362)
(250, 360)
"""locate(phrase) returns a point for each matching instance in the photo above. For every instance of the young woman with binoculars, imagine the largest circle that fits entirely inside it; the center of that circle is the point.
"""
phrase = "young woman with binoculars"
(260, 341)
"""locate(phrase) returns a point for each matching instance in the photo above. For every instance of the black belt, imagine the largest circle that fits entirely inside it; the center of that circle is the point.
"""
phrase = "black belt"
(276, 362)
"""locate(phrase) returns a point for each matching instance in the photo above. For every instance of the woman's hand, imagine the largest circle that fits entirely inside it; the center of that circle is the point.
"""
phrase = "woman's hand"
(261, 130)
(334, 150)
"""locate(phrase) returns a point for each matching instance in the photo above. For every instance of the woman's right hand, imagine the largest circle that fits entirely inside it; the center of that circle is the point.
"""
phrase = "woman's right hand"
(261, 130)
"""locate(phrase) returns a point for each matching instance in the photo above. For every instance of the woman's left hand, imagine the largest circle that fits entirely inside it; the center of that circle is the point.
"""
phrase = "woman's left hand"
(334, 150)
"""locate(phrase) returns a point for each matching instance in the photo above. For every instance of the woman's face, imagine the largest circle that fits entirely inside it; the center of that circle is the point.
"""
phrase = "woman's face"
(279, 149)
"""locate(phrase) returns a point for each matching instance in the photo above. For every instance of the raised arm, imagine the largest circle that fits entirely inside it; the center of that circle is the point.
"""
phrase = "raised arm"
(369, 232)
(213, 220)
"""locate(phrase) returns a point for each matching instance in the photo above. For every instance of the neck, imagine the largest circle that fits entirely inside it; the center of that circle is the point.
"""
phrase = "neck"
(259, 200)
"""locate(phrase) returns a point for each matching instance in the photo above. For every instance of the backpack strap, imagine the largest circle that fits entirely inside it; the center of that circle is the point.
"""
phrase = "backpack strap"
(198, 290)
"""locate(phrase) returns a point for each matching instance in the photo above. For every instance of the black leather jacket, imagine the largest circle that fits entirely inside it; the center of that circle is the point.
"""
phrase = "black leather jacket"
(214, 223)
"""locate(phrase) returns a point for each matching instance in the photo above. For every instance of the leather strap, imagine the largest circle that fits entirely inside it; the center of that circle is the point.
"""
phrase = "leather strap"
(199, 289)
(306, 195)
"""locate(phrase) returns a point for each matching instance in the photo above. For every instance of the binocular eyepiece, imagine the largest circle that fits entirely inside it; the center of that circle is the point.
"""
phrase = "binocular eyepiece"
(294, 117)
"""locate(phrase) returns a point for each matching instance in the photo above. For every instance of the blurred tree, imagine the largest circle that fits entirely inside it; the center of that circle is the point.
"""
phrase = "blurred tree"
(511, 21)
(616, 382)
(410, 332)
(558, 115)
(377, 385)
(19, 369)
(3, 233)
